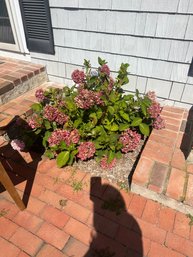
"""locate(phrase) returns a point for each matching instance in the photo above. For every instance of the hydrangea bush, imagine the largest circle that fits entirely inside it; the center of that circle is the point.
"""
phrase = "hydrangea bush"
(92, 119)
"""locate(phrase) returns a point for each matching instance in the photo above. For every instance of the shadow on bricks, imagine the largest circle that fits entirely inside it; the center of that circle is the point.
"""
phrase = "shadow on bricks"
(187, 129)
(116, 233)
(21, 166)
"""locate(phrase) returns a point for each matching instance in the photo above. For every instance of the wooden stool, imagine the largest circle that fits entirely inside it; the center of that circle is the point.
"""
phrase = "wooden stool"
(5, 179)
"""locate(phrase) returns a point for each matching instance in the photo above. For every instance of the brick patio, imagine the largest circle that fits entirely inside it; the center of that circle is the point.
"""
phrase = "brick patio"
(59, 221)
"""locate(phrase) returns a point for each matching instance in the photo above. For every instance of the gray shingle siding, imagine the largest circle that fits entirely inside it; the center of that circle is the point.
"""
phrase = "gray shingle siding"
(154, 36)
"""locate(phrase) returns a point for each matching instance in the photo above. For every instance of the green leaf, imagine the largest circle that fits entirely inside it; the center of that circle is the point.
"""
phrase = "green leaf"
(93, 117)
(62, 158)
(45, 138)
(136, 121)
(47, 124)
(48, 153)
(111, 156)
(144, 109)
(38, 131)
(123, 126)
(118, 155)
(124, 115)
(144, 128)
(101, 62)
(77, 122)
(36, 107)
(99, 113)
(111, 110)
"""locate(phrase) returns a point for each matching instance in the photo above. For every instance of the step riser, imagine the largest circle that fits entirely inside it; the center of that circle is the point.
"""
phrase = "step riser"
(25, 86)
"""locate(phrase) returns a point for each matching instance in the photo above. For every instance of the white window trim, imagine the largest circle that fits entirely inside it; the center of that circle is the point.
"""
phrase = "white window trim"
(20, 45)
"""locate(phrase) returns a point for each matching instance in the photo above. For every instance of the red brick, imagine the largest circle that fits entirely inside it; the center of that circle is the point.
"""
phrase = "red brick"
(54, 216)
(52, 198)
(190, 168)
(158, 152)
(191, 232)
(172, 121)
(166, 218)
(103, 225)
(151, 212)
(50, 251)
(137, 205)
(26, 241)
(28, 221)
(46, 181)
(101, 241)
(172, 115)
(189, 192)
(71, 209)
(35, 206)
(170, 142)
(150, 231)
(172, 127)
(179, 244)
(7, 228)
(173, 109)
(177, 177)
(160, 250)
(158, 176)
(8, 249)
(10, 208)
(37, 190)
(127, 197)
(53, 235)
(181, 225)
(46, 166)
(178, 160)
(142, 171)
(79, 230)
(75, 248)
(133, 240)
(68, 192)
(22, 254)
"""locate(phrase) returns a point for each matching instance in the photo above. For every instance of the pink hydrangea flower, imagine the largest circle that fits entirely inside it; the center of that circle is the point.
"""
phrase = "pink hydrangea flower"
(58, 136)
(78, 76)
(39, 94)
(17, 144)
(61, 118)
(130, 140)
(74, 136)
(105, 69)
(105, 165)
(86, 150)
(151, 95)
(154, 110)
(159, 123)
(35, 121)
(87, 98)
(50, 112)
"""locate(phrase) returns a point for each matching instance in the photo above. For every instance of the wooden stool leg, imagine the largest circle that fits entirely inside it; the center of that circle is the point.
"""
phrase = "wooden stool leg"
(7, 183)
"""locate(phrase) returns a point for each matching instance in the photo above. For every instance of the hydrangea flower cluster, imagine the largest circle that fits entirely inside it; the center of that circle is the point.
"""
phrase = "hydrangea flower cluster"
(17, 144)
(86, 150)
(159, 123)
(60, 135)
(130, 140)
(35, 121)
(78, 76)
(105, 165)
(87, 98)
(155, 111)
(39, 94)
(51, 113)
(105, 69)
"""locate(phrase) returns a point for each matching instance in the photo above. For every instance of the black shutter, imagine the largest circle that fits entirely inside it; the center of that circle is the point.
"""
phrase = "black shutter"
(37, 25)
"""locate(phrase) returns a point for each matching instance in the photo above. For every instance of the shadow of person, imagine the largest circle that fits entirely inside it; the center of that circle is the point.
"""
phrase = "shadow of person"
(187, 139)
(20, 166)
(116, 233)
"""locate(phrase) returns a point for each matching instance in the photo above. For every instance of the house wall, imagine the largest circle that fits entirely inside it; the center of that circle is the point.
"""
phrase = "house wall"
(154, 36)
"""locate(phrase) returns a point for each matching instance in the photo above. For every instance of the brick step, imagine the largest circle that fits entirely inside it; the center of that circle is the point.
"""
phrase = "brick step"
(18, 77)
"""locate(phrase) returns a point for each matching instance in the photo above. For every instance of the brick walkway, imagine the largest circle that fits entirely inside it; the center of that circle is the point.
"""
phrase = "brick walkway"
(68, 214)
